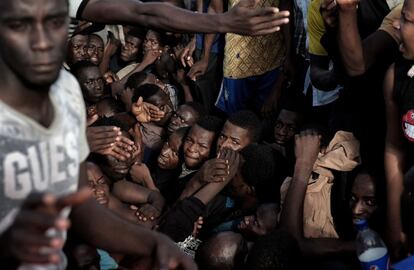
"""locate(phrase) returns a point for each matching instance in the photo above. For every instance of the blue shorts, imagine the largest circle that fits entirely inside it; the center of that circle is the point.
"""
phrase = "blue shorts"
(248, 93)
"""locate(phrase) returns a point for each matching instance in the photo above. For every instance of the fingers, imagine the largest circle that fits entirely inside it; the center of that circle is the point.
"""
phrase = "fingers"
(92, 119)
(103, 132)
(184, 56)
(37, 200)
(124, 142)
(41, 221)
(74, 199)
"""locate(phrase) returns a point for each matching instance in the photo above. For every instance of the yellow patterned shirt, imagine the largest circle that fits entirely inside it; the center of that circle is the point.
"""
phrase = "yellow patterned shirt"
(246, 56)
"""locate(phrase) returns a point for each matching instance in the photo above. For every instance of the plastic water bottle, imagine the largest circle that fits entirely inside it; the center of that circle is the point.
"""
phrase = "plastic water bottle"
(371, 250)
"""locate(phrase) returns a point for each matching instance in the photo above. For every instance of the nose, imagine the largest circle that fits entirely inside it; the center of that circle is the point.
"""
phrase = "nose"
(193, 148)
(226, 144)
(358, 208)
(40, 39)
(284, 130)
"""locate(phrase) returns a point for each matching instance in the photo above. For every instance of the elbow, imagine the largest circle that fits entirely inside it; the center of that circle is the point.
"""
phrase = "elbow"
(356, 70)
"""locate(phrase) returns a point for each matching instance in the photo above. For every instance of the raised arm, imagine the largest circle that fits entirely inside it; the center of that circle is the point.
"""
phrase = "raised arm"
(360, 55)
(242, 19)
(307, 146)
(394, 164)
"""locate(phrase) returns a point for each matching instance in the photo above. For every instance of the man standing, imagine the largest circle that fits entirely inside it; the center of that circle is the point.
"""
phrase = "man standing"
(43, 147)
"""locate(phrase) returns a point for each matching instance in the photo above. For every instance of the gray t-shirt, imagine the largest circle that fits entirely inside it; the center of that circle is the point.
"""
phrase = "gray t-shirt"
(38, 159)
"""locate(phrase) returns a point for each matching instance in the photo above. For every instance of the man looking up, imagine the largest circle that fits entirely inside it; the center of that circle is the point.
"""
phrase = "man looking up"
(43, 146)
(241, 129)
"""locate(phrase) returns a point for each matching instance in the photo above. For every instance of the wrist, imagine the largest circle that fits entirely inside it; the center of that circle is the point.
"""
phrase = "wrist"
(304, 164)
(222, 23)
(348, 9)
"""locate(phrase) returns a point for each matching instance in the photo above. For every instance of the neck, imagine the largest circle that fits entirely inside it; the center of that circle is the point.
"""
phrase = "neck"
(27, 99)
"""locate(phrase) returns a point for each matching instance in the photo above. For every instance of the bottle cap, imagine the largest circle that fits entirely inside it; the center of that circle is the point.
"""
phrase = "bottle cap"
(361, 224)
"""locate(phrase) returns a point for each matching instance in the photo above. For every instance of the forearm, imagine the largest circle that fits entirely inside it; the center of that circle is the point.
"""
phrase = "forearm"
(209, 191)
(155, 15)
(133, 240)
(350, 43)
(156, 200)
(121, 210)
(130, 192)
(292, 213)
(192, 187)
(216, 7)
(394, 177)
(188, 97)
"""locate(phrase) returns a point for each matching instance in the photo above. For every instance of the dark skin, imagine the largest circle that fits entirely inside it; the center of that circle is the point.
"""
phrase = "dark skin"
(33, 37)
(200, 67)
(95, 49)
(168, 158)
(360, 55)
(129, 51)
(286, 126)
(233, 137)
(213, 176)
(197, 146)
(77, 49)
(363, 202)
(240, 19)
(307, 147)
(261, 223)
(395, 154)
(322, 78)
(163, 103)
(185, 116)
(92, 84)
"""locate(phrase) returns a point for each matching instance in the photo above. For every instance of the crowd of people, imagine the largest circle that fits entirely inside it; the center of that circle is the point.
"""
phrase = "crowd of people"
(254, 134)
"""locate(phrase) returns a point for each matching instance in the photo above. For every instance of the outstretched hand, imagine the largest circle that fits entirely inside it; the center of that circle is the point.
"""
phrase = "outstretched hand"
(245, 19)
(145, 112)
(30, 239)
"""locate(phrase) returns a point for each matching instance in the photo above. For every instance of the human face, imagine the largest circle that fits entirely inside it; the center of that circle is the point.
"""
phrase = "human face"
(162, 101)
(151, 41)
(286, 126)
(261, 223)
(92, 84)
(78, 49)
(363, 202)
(233, 137)
(33, 39)
(197, 146)
(168, 158)
(407, 30)
(129, 51)
(98, 182)
(95, 49)
(117, 169)
(185, 116)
